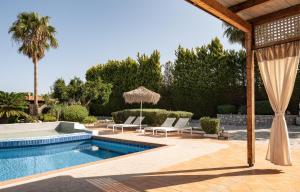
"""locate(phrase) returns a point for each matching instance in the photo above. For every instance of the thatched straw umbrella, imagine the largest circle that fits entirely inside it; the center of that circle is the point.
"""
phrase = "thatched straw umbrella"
(141, 95)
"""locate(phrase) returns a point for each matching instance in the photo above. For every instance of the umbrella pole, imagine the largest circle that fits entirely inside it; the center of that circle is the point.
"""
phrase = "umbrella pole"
(141, 116)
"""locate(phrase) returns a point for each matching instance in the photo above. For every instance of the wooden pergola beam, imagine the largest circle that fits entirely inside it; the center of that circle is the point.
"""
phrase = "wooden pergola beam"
(276, 15)
(245, 5)
(220, 11)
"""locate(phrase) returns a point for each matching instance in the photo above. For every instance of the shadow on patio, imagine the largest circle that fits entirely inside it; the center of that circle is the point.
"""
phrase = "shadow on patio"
(136, 182)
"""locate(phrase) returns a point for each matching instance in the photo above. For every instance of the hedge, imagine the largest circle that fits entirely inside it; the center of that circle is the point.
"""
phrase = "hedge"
(226, 109)
(261, 108)
(242, 110)
(207, 76)
(125, 75)
(210, 125)
(153, 117)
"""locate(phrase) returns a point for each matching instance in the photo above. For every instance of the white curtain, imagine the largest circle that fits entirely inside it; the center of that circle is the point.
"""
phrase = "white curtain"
(278, 67)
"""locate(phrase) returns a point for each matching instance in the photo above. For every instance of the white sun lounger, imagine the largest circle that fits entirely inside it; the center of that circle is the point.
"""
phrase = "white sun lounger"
(136, 123)
(167, 123)
(179, 127)
(129, 120)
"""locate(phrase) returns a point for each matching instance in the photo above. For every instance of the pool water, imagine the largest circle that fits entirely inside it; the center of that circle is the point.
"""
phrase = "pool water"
(24, 161)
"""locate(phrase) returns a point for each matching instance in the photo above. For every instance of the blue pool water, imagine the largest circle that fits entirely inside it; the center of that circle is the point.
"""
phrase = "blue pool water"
(24, 161)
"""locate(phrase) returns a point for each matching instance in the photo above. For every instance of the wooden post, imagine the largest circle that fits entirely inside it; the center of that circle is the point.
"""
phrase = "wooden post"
(250, 100)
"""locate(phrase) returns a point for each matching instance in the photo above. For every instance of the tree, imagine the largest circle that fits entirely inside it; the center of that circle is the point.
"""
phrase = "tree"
(75, 89)
(125, 75)
(35, 36)
(207, 76)
(233, 34)
(96, 90)
(149, 71)
(237, 36)
(12, 105)
(78, 92)
(168, 74)
(166, 100)
(114, 72)
(60, 91)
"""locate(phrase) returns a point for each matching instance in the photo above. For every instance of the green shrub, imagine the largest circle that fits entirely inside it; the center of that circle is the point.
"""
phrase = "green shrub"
(46, 109)
(210, 125)
(31, 119)
(56, 110)
(75, 113)
(153, 117)
(49, 118)
(263, 108)
(10, 120)
(89, 120)
(226, 109)
(242, 110)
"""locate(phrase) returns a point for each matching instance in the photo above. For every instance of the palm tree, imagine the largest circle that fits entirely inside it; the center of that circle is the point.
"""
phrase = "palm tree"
(12, 105)
(233, 34)
(236, 36)
(35, 35)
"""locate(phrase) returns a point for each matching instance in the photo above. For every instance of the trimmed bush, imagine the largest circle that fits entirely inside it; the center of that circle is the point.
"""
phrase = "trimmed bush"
(210, 125)
(153, 117)
(226, 109)
(49, 118)
(75, 113)
(89, 120)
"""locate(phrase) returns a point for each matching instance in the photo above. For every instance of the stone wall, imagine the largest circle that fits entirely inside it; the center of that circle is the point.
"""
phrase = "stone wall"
(261, 120)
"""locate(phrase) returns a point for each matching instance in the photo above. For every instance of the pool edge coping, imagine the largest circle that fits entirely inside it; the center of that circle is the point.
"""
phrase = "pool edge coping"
(158, 146)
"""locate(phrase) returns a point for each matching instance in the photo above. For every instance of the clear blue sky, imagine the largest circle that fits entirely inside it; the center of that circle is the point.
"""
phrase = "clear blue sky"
(93, 31)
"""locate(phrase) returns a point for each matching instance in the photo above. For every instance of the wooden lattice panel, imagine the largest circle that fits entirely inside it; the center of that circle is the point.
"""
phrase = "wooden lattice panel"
(277, 31)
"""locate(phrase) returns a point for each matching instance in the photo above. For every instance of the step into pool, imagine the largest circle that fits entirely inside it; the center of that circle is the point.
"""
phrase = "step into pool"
(24, 161)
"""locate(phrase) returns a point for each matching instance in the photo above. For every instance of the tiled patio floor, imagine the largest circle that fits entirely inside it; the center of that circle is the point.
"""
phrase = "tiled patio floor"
(224, 170)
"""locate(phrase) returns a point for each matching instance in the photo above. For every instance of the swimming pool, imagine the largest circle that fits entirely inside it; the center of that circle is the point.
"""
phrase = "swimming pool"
(23, 161)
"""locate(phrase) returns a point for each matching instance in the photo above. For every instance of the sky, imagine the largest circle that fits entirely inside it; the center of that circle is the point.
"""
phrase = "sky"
(91, 32)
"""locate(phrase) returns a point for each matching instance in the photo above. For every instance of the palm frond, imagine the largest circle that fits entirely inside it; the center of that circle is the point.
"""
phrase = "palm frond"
(233, 34)
(34, 34)
(12, 104)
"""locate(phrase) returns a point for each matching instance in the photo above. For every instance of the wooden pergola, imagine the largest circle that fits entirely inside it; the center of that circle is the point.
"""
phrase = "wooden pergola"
(265, 23)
